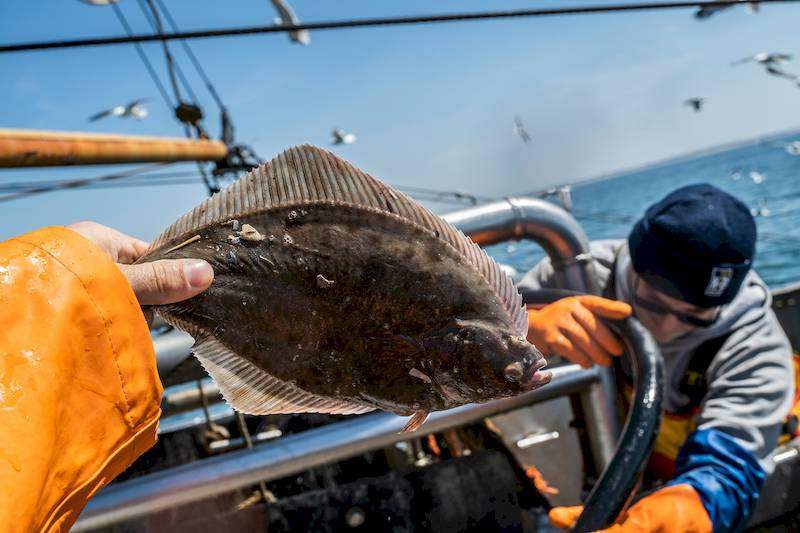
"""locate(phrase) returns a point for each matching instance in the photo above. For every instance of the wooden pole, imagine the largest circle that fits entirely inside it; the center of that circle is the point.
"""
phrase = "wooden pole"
(32, 148)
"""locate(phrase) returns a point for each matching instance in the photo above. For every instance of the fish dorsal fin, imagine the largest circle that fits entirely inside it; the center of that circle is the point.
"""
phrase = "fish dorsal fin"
(308, 174)
(250, 390)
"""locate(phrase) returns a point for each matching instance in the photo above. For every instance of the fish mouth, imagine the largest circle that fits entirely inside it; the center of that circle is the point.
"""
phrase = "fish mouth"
(537, 377)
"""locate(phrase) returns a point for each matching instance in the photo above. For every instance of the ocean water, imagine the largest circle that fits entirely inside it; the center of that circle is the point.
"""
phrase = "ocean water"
(763, 174)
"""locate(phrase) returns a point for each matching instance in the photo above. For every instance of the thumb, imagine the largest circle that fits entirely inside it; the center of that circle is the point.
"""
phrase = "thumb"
(565, 517)
(606, 308)
(168, 280)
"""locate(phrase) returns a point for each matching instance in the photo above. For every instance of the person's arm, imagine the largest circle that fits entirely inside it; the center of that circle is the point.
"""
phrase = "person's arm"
(751, 388)
(79, 392)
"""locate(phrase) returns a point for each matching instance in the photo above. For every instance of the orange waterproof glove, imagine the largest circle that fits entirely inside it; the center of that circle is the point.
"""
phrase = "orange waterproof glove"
(570, 327)
(674, 509)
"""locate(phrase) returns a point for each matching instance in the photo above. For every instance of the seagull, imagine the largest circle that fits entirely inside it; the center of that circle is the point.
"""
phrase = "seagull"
(565, 197)
(771, 62)
(764, 58)
(286, 17)
(696, 103)
(134, 109)
(757, 177)
(705, 12)
(340, 137)
(793, 148)
(519, 129)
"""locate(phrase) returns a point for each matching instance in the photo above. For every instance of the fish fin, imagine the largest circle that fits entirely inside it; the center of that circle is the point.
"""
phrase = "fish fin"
(309, 174)
(250, 390)
(415, 422)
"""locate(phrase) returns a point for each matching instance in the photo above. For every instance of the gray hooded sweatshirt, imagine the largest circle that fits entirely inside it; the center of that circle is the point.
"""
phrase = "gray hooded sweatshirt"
(750, 380)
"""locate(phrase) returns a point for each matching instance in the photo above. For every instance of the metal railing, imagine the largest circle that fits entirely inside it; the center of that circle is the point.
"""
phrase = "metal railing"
(297, 453)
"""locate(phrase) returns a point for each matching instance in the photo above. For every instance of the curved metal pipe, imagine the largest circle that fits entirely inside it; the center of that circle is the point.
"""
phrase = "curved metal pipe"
(297, 453)
(555, 230)
(617, 483)
(172, 348)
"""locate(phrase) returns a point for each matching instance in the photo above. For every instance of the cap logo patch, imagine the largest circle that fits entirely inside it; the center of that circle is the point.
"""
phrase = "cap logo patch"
(719, 281)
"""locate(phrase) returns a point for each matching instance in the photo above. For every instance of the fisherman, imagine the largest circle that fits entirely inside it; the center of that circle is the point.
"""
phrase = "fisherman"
(685, 274)
(79, 391)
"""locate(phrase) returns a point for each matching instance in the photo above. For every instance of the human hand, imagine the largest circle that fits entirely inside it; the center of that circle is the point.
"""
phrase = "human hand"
(673, 509)
(570, 327)
(157, 283)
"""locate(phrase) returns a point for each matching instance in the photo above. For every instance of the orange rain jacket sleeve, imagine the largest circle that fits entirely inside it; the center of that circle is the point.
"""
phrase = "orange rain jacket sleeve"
(79, 392)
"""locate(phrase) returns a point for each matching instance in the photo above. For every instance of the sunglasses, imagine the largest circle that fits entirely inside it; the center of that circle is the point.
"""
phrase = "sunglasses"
(662, 310)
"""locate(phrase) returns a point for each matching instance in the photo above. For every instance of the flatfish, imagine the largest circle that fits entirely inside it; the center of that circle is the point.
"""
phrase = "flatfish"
(334, 293)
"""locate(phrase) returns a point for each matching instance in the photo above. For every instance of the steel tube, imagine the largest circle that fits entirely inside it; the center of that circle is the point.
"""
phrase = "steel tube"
(31, 148)
(297, 453)
(172, 348)
(551, 227)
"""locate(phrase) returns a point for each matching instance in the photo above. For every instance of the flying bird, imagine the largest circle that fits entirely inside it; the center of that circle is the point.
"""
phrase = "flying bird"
(286, 17)
(133, 109)
(696, 103)
(764, 58)
(340, 137)
(707, 11)
(519, 129)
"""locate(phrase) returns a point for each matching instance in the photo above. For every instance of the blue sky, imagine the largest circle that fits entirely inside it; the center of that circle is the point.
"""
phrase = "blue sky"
(432, 105)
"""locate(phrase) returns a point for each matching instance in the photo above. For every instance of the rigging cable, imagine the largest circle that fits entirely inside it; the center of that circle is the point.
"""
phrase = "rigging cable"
(212, 185)
(198, 67)
(143, 56)
(137, 177)
(59, 183)
(73, 184)
(151, 14)
(377, 22)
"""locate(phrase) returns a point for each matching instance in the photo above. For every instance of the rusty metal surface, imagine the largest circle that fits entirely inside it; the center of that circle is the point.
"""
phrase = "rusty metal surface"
(32, 148)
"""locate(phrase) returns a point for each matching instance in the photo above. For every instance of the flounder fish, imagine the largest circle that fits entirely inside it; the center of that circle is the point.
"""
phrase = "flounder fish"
(334, 293)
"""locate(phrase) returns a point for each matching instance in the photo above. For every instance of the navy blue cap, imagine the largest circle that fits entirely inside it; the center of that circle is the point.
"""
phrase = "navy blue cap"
(696, 244)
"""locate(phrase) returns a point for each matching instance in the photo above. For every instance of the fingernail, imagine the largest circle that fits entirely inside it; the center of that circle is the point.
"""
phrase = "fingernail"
(198, 273)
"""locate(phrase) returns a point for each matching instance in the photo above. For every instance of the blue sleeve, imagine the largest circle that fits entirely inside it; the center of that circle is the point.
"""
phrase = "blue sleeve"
(727, 477)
